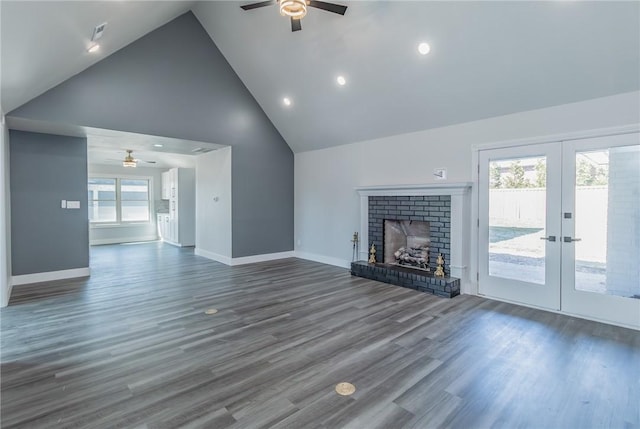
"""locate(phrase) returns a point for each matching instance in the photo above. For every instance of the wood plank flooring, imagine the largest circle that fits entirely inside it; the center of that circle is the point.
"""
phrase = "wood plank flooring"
(132, 347)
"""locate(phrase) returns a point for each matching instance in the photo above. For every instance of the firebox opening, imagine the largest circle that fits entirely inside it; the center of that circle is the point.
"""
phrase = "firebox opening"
(407, 243)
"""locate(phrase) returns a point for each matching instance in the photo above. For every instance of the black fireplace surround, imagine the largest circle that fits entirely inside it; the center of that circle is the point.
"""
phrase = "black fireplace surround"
(433, 209)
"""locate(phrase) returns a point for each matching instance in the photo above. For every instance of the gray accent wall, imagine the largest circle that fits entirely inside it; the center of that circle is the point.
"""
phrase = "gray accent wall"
(46, 169)
(175, 82)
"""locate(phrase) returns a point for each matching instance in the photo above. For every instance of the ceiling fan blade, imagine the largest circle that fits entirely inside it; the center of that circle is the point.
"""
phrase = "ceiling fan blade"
(142, 160)
(296, 25)
(259, 4)
(329, 7)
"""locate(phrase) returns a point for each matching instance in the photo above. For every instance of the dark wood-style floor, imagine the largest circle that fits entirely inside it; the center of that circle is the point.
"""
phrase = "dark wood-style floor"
(132, 347)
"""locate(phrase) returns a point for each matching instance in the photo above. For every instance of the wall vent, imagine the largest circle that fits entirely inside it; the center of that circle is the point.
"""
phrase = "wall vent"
(201, 150)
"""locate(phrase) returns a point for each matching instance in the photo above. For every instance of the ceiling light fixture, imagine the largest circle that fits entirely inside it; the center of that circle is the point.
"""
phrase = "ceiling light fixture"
(296, 9)
(93, 48)
(424, 48)
(286, 101)
(157, 145)
(341, 80)
(129, 161)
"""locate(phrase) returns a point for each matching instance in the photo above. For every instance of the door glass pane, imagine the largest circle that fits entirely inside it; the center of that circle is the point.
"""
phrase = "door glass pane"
(517, 218)
(607, 221)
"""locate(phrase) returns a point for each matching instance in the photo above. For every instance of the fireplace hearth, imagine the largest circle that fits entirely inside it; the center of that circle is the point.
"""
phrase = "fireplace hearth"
(422, 281)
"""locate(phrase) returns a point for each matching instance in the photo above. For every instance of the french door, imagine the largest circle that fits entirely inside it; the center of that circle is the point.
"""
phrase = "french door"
(559, 227)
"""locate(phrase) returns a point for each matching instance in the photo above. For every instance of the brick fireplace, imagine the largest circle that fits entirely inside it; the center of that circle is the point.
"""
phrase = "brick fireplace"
(434, 209)
(444, 211)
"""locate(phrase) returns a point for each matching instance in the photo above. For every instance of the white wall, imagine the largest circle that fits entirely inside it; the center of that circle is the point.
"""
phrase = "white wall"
(327, 206)
(134, 232)
(213, 205)
(5, 217)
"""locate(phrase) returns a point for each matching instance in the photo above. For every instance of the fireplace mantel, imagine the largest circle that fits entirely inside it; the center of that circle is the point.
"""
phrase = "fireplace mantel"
(460, 219)
(461, 188)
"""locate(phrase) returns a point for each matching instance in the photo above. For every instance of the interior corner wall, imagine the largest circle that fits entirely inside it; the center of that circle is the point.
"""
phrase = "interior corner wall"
(5, 217)
(46, 169)
(139, 231)
(213, 204)
(327, 207)
(174, 82)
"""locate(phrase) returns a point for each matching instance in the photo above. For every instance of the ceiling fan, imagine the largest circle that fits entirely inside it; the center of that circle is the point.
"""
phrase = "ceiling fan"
(297, 9)
(130, 161)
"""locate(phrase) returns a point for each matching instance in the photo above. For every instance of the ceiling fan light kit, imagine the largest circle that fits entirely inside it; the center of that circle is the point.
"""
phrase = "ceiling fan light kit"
(297, 9)
(129, 161)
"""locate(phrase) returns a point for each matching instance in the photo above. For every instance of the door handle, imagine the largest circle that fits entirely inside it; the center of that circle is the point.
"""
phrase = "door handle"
(549, 238)
(569, 239)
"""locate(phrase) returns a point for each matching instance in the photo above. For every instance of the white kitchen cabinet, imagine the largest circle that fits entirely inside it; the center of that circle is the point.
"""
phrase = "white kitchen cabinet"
(181, 229)
(166, 185)
(163, 226)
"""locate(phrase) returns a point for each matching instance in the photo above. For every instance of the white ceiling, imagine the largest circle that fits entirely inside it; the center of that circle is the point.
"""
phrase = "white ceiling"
(109, 148)
(488, 58)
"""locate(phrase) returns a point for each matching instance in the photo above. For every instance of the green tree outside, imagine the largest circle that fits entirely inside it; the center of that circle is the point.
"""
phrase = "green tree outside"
(541, 173)
(588, 174)
(516, 178)
(495, 176)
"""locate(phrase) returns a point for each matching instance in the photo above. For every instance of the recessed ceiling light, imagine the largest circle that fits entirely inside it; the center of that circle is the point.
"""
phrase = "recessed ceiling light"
(94, 48)
(341, 80)
(157, 145)
(424, 48)
(286, 101)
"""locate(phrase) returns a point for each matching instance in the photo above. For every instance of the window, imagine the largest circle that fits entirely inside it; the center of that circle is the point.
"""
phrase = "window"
(118, 200)
(102, 200)
(134, 197)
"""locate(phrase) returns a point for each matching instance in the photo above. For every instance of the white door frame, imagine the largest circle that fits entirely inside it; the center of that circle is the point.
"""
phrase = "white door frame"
(475, 166)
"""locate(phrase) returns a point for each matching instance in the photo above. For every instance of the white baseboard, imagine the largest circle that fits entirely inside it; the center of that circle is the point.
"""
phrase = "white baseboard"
(164, 240)
(245, 259)
(7, 297)
(329, 260)
(50, 276)
(261, 258)
(213, 256)
(123, 240)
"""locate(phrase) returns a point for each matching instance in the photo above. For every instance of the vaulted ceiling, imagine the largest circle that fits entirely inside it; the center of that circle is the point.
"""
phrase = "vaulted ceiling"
(487, 58)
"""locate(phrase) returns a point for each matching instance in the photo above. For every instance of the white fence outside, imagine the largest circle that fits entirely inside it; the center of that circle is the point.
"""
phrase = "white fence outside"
(526, 207)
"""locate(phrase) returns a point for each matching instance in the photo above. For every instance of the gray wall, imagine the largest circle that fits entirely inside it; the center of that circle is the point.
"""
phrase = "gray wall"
(44, 170)
(174, 82)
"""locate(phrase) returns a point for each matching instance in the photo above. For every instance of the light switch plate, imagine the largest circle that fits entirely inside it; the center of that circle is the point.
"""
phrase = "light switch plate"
(63, 204)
